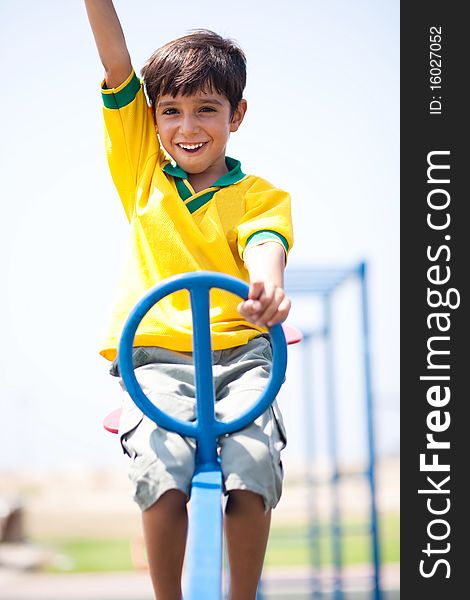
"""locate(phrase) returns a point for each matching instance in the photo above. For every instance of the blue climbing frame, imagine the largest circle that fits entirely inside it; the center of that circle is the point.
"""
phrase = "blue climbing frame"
(204, 547)
(323, 282)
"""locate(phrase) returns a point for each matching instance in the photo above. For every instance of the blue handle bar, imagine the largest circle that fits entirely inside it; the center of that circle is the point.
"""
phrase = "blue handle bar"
(206, 426)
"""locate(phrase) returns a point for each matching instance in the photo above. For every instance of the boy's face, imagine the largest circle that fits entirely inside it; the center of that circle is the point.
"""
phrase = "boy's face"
(195, 129)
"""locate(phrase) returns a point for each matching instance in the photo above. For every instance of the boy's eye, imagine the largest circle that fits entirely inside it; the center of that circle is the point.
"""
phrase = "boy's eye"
(169, 111)
(207, 109)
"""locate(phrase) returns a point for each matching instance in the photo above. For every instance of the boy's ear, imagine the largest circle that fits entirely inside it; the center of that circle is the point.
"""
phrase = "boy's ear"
(154, 115)
(238, 115)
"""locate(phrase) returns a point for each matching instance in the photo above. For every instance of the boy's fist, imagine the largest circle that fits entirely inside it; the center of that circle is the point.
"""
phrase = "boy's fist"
(267, 304)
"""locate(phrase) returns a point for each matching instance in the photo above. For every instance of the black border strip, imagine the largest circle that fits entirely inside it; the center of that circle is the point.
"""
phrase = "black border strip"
(433, 262)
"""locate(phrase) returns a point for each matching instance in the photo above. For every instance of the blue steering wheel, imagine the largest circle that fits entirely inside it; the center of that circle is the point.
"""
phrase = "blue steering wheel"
(206, 428)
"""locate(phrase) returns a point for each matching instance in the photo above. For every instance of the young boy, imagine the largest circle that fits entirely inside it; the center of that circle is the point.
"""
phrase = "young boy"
(190, 208)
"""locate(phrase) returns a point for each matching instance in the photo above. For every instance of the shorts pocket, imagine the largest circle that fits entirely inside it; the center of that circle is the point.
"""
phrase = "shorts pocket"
(279, 423)
(131, 418)
(140, 357)
(266, 348)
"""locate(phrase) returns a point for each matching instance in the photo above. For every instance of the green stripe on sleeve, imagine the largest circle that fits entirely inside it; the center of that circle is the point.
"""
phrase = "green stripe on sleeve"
(266, 235)
(123, 97)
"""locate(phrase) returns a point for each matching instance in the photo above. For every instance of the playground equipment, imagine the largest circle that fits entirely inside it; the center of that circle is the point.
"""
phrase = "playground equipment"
(111, 421)
(204, 546)
(322, 283)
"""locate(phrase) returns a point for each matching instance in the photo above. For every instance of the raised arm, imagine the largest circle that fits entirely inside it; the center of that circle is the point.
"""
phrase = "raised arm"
(110, 41)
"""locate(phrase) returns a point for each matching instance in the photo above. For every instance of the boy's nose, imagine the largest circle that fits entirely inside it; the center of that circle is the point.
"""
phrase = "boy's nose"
(188, 124)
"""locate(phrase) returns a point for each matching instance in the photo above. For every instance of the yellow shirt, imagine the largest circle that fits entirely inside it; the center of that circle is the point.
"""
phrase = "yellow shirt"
(175, 230)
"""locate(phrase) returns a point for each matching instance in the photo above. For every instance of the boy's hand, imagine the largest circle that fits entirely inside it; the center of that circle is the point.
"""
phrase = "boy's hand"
(267, 304)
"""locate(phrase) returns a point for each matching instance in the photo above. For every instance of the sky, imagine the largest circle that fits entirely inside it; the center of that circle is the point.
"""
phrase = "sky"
(322, 123)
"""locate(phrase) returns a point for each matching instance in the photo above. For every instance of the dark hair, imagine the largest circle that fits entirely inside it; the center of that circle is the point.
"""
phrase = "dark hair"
(201, 60)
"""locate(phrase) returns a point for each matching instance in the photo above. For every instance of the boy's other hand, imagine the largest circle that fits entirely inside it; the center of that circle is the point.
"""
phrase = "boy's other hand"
(267, 304)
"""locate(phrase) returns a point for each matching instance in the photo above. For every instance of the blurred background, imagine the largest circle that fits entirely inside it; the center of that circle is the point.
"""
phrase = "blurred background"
(323, 123)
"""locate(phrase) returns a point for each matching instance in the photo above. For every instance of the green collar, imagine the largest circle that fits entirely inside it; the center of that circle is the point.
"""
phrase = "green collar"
(234, 174)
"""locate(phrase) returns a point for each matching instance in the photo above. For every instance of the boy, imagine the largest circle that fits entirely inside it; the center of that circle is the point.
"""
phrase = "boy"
(191, 208)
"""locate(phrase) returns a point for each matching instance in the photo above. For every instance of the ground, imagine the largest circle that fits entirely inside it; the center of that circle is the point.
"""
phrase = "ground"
(88, 503)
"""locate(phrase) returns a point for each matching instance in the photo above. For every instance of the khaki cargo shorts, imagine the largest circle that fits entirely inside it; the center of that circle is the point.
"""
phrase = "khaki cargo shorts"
(161, 460)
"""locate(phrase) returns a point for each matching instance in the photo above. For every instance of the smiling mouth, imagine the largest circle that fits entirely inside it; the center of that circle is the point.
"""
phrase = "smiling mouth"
(191, 148)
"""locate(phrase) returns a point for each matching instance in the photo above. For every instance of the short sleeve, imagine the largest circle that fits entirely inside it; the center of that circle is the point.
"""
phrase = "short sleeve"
(130, 137)
(266, 235)
(267, 218)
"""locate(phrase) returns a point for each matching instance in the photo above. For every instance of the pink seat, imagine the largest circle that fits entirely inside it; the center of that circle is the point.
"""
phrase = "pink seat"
(293, 335)
(111, 421)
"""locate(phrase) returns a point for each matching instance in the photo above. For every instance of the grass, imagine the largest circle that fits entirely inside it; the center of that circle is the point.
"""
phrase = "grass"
(82, 555)
(288, 546)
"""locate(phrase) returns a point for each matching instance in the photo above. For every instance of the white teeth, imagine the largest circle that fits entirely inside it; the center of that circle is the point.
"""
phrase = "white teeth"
(191, 146)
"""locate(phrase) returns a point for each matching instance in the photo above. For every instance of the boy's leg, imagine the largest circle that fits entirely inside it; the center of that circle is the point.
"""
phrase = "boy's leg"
(247, 530)
(165, 526)
(162, 462)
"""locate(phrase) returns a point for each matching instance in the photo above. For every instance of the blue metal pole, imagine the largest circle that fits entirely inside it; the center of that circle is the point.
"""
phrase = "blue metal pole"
(376, 590)
(204, 545)
(202, 348)
(333, 451)
(309, 449)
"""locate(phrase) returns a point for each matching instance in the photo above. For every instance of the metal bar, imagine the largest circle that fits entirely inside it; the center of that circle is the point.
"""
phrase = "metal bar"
(376, 590)
(333, 451)
(312, 504)
(206, 457)
(316, 280)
